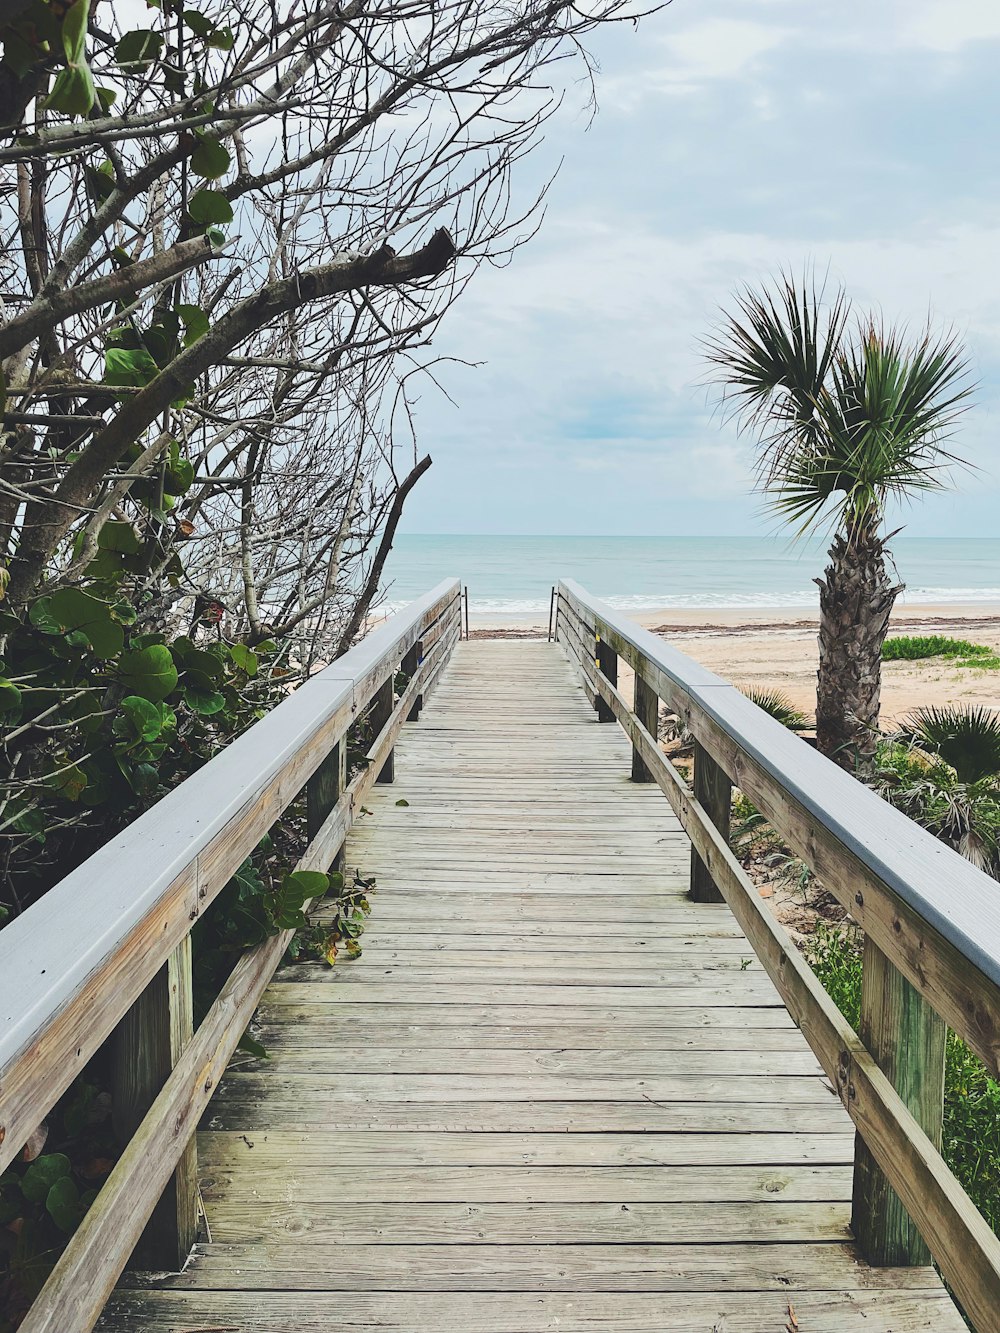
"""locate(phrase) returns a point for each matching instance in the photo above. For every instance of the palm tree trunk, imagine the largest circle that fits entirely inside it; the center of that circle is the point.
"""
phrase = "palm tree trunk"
(856, 597)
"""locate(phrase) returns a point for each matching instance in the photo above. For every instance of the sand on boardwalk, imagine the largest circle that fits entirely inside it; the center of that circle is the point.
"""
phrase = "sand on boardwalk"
(777, 649)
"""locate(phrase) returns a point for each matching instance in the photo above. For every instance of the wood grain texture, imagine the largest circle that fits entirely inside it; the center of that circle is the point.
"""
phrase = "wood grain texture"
(956, 1233)
(75, 961)
(535, 1103)
(933, 914)
(87, 1269)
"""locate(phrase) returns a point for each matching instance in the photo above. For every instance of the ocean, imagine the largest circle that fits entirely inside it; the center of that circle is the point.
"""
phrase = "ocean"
(512, 576)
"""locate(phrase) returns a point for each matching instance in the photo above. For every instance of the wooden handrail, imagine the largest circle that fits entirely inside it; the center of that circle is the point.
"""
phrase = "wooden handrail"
(929, 909)
(74, 963)
(885, 869)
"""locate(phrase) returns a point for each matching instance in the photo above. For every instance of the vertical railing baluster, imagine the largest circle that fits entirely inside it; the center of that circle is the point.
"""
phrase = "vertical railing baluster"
(147, 1044)
(323, 790)
(381, 711)
(646, 706)
(607, 664)
(907, 1039)
(411, 662)
(714, 792)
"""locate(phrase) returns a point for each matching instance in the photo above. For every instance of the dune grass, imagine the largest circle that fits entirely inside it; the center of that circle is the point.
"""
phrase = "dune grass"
(914, 648)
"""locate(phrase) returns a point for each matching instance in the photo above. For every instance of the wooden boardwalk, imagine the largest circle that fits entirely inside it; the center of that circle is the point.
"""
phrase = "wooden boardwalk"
(553, 1094)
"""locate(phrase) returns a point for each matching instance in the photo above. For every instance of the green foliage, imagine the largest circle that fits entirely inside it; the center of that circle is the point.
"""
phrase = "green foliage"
(343, 925)
(912, 648)
(125, 714)
(971, 1139)
(779, 706)
(965, 815)
(968, 739)
(848, 413)
(45, 1193)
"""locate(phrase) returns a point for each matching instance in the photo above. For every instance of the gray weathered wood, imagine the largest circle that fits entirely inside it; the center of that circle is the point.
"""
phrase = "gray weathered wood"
(97, 1253)
(73, 964)
(907, 1038)
(646, 707)
(607, 664)
(958, 1236)
(714, 792)
(525, 1116)
(148, 1043)
(933, 913)
(410, 662)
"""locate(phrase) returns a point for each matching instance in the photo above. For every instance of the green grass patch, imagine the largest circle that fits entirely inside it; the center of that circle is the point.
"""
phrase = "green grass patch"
(971, 1140)
(913, 648)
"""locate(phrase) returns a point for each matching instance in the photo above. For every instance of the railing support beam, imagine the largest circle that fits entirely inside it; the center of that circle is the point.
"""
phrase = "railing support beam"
(647, 709)
(607, 664)
(323, 791)
(714, 792)
(148, 1043)
(381, 712)
(907, 1039)
(409, 665)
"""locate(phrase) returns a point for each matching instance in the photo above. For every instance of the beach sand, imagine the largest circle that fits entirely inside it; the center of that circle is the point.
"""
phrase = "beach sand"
(777, 649)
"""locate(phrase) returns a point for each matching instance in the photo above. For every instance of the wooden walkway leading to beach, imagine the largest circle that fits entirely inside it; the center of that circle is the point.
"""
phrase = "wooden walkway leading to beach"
(552, 1094)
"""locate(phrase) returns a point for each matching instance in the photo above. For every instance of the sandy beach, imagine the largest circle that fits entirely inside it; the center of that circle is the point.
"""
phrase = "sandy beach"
(776, 648)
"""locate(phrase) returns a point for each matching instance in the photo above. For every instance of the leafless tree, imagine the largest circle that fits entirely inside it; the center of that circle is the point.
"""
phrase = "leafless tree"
(217, 285)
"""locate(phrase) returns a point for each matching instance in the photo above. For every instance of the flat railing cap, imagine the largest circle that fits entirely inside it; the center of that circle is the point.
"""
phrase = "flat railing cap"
(960, 901)
(48, 953)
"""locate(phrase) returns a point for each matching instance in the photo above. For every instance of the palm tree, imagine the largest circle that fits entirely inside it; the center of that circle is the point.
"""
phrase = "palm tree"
(847, 414)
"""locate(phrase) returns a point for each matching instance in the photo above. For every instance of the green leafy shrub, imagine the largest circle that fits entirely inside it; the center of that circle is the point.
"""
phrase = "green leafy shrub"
(965, 815)
(914, 648)
(971, 1138)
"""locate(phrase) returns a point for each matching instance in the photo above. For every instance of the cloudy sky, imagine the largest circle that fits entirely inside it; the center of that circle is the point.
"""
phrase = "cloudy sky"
(733, 136)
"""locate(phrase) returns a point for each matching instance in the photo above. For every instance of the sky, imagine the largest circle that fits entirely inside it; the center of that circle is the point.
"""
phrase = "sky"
(733, 137)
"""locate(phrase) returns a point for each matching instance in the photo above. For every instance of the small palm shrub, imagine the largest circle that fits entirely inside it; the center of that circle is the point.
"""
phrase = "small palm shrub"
(966, 738)
(965, 815)
(778, 706)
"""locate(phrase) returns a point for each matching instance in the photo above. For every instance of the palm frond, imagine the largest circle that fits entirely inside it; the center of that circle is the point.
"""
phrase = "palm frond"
(847, 415)
(778, 706)
(966, 738)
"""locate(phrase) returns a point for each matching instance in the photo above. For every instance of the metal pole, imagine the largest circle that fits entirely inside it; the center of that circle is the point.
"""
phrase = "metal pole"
(552, 607)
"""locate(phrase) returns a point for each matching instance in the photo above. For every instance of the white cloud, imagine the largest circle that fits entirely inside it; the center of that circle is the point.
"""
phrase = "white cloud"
(950, 25)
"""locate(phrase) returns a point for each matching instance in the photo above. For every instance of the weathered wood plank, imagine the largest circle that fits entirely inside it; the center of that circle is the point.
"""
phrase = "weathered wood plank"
(318, 1148)
(303, 1110)
(290, 1183)
(171, 1311)
(680, 1268)
(476, 1106)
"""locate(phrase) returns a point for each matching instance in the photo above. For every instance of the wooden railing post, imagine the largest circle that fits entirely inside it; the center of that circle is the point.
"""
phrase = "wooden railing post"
(147, 1044)
(714, 792)
(646, 706)
(907, 1038)
(409, 665)
(323, 791)
(607, 664)
(381, 711)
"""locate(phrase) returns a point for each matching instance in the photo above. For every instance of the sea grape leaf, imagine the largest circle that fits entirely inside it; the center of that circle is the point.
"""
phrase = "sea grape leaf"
(117, 535)
(42, 1174)
(245, 658)
(209, 206)
(72, 610)
(62, 1203)
(210, 159)
(149, 672)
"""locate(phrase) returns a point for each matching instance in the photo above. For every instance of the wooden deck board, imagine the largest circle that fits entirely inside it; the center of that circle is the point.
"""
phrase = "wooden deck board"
(569, 1090)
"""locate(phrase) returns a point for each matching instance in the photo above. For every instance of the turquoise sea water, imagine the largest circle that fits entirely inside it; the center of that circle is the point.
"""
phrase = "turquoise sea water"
(513, 575)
